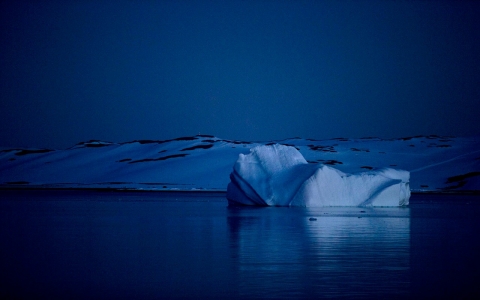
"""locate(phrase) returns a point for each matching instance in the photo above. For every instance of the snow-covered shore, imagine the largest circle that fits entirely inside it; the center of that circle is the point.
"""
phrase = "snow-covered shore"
(203, 162)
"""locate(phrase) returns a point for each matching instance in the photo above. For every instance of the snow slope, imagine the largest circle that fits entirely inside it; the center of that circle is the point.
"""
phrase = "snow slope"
(439, 164)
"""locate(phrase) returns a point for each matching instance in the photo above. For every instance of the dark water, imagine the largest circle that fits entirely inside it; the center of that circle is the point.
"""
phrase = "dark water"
(112, 245)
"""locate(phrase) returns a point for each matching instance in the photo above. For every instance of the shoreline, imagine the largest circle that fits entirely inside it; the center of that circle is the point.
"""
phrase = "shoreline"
(177, 190)
(109, 189)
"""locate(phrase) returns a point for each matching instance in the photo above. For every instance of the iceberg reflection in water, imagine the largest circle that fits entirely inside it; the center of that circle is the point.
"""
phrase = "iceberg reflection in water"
(329, 252)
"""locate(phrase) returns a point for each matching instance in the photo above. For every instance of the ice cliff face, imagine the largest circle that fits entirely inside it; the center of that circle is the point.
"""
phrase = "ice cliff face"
(278, 175)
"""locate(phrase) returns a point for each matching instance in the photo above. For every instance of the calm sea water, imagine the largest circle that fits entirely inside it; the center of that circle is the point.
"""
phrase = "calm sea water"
(113, 245)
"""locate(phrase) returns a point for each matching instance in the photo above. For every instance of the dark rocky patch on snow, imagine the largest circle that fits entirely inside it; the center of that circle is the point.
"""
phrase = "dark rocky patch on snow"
(409, 138)
(462, 177)
(437, 137)
(331, 162)
(198, 147)
(430, 137)
(460, 180)
(27, 151)
(322, 148)
(359, 150)
(96, 145)
(158, 159)
(92, 144)
(124, 160)
(237, 142)
(185, 138)
(143, 142)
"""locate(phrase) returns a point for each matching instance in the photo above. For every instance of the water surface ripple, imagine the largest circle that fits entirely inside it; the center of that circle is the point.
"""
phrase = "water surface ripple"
(81, 244)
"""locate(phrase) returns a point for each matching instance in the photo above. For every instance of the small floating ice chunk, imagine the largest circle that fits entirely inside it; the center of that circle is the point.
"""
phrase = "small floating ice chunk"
(279, 175)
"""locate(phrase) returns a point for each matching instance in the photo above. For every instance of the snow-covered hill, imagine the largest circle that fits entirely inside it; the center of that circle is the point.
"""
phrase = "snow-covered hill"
(203, 162)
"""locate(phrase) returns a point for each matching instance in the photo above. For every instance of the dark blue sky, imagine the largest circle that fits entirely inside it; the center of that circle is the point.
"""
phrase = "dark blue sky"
(250, 70)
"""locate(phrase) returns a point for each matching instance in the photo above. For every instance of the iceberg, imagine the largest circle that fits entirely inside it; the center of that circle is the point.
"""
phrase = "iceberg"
(278, 175)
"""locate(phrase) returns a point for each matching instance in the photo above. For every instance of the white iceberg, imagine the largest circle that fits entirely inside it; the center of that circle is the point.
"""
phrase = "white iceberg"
(279, 175)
